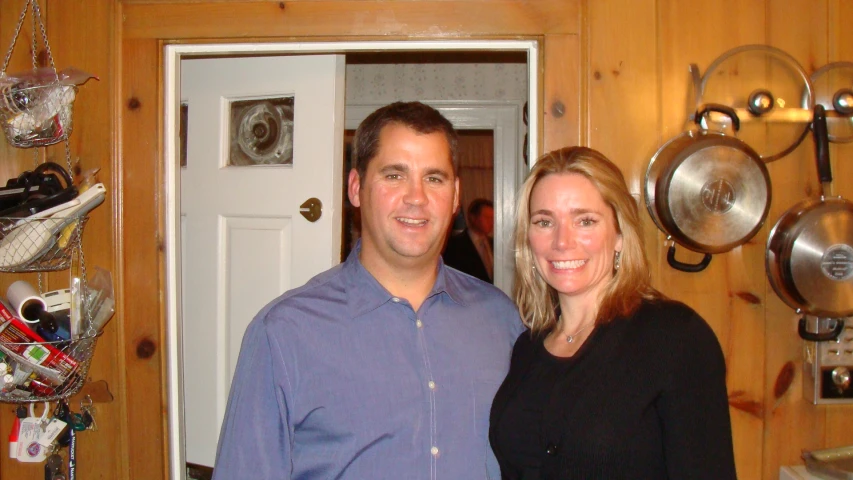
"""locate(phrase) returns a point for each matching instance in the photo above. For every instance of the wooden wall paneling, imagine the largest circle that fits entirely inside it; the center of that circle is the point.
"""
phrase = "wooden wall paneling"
(792, 424)
(90, 141)
(626, 110)
(562, 92)
(139, 108)
(91, 49)
(181, 20)
(729, 293)
(622, 110)
(839, 419)
(623, 102)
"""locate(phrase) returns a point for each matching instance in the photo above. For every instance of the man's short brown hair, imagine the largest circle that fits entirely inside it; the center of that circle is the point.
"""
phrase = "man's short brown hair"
(417, 116)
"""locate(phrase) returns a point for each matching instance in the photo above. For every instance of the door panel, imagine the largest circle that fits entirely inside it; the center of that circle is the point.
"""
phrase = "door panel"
(243, 240)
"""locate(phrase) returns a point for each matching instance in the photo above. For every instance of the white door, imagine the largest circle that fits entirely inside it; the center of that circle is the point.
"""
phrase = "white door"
(244, 241)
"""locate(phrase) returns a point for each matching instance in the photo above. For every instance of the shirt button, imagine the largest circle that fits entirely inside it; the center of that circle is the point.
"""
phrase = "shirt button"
(431, 385)
(395, 299)
(551, 449)
(419, 323)
(434, 451)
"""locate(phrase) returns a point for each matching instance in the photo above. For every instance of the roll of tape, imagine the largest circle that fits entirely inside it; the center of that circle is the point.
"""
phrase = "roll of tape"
(26, 301)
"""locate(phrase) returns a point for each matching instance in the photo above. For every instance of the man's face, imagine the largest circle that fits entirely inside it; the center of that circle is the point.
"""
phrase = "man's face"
(407, 198)
(484, 222)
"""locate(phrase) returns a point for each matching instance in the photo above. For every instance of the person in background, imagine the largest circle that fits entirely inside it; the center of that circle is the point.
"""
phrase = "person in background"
(470, 251)
(385, 366)
(612, 380)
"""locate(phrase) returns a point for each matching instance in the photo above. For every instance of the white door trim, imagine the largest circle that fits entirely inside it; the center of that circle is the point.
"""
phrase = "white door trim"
(172, 56)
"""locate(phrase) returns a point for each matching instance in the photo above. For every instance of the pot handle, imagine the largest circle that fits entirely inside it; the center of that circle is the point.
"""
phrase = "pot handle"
(716, 107)
(820, 337)
(686, 267)
(821, 144)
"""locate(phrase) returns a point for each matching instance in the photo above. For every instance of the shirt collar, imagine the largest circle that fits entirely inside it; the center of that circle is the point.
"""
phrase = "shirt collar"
(365, 293)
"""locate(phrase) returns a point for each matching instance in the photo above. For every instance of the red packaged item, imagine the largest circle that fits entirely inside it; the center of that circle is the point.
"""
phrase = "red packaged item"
(19, 340)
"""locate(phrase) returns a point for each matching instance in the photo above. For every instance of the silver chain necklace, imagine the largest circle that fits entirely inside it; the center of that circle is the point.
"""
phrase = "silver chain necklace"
(570, 338)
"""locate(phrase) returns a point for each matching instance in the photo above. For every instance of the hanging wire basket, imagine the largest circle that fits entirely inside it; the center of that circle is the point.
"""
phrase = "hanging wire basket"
(36, 116)
(39, 244)
(49, 361)
(36, 363)
(36, 107)
(41, 371)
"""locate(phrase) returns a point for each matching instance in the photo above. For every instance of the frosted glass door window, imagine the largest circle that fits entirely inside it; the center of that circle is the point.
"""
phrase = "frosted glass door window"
(261, 132)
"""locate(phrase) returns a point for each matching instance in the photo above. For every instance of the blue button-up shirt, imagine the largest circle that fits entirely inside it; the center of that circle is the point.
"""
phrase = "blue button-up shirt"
(340, 379)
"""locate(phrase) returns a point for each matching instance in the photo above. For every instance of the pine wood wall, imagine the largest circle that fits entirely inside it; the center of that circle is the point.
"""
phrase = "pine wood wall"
(614, 77)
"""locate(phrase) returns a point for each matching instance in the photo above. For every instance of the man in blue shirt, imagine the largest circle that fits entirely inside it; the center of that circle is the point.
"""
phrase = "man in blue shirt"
(385, 366)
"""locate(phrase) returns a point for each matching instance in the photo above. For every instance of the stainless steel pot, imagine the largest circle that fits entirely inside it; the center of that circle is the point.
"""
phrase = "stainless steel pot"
(708, 191)
(809, 259)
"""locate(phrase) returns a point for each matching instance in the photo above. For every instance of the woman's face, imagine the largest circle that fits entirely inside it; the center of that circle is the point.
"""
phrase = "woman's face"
(572, 236)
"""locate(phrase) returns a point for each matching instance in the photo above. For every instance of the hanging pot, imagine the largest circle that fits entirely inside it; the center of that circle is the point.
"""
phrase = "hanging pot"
(809, 259)
(708, 191)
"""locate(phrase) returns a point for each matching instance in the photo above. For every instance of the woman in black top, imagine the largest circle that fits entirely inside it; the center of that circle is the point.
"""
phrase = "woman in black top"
(612, 380)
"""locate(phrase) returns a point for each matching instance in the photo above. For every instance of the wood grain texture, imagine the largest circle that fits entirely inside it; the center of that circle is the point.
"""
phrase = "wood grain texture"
(633, 92)
(101, 454)
(139, 107)
(621, 112)
(617, 67)
(622, 77)
(346, 18)
(725, 294)
(838, 430)
(799, 28)
(92, 49)
(562, 92)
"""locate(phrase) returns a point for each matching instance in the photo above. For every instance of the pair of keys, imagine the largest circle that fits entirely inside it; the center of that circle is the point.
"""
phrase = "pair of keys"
(84, 420)
(61, 431)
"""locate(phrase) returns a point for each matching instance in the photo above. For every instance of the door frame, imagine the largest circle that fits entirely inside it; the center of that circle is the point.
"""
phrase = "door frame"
(172, 56)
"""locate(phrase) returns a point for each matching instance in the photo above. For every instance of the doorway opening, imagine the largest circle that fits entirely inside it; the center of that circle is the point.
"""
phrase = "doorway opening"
(483, 119)
(476, 80)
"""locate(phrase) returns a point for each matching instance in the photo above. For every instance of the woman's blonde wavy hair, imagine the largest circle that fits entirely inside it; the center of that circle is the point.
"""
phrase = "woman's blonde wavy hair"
(537, 301)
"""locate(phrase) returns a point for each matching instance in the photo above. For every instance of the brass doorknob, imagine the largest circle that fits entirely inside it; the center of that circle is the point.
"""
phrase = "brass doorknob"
(311, 209)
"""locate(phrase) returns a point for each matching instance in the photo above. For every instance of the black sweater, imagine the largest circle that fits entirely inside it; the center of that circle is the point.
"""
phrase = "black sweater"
(644, 398)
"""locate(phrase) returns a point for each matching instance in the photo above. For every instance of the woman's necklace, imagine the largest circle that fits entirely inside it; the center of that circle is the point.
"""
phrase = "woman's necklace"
(570, 338)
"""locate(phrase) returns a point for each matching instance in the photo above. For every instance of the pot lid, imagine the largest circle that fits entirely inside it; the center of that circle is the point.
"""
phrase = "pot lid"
(833, 88)
(770, 92)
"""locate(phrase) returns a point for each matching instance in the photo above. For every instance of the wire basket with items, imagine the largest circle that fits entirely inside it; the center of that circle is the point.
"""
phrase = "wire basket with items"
(42, 214)
(36, 106)
(47, 340)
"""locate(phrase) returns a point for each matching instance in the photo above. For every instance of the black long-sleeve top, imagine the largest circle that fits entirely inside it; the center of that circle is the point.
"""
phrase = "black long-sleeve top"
(644, 398)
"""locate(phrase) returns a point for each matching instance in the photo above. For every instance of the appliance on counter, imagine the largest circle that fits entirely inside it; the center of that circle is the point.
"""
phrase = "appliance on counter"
(828, 365)
(825, 464)
(798, 472)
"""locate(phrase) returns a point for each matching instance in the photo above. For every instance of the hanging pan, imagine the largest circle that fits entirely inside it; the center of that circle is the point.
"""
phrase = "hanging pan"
(708, 191)
(809, 257)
